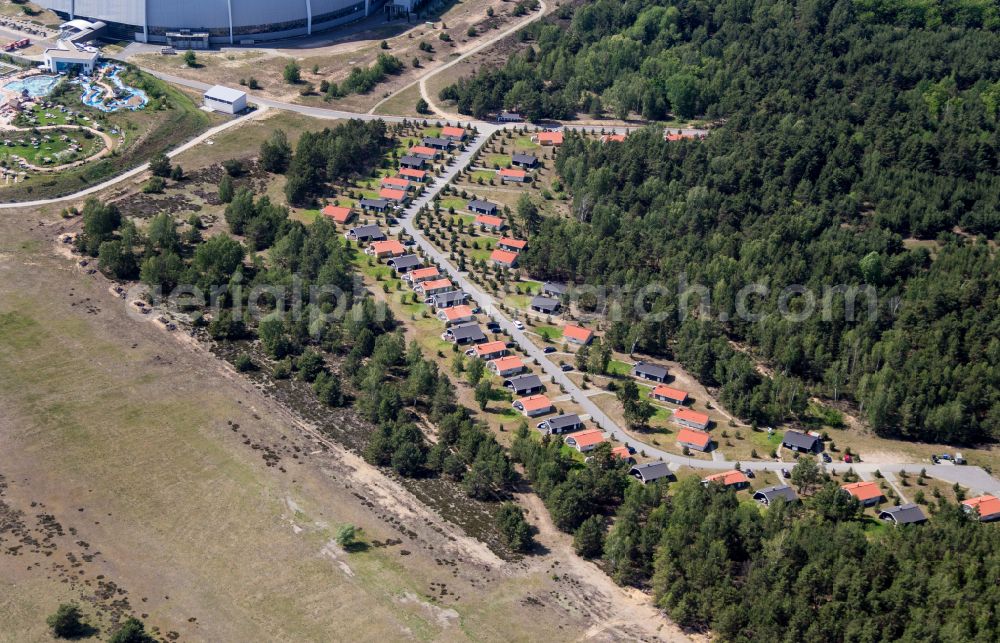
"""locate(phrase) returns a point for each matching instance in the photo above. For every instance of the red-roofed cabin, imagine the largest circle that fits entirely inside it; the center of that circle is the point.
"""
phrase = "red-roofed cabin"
(412, 174)
(867, 493)
(339, 214)
(691, 419)
(424, 152)
(396, 182)
(735, 479)
(694, 439)
(578, 334)
(512, 245)
(454, 133)
(434, 287)
(668, 394)
(533, 405)
(613, 138)
(392, 194)
(584, 441)
(508, 174)
(391, 248)
(422, 274)
(504, 258)
(456, 314)
(506, 366)
(548, 138)
(621, 452)
(986, 508)
(488, 351)
(489, 221)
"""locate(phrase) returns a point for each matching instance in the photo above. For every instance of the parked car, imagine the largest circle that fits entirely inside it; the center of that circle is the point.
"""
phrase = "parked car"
(827, 458)
(566, 368)
(549, 349)
(785, 473)
(749, 473)
(847, 458)
(518, 324)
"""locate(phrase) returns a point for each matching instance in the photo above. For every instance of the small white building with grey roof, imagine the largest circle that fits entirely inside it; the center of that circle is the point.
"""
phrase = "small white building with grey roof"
(651, 472)
(908, 514)
(565, 423)
(767, 495)
(225, 100)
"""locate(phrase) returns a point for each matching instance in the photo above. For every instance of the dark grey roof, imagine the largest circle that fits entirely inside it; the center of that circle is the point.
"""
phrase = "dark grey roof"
(467, 331)
(450, 297)
(554, 288)
(523, 383)
(545, 303)
(908, 514)
(651, 471)
(650, 369)
(799, 440)
(527, 159)
(378, 204)
(405, 262)
(777, 491)
(431, 141)
(477, 204)
(367, 231)
(409, 159)
(563, 421)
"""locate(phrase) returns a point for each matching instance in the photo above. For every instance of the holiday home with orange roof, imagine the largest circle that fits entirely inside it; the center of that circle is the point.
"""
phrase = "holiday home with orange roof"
(396, 183)
(392, 194)
(613, 138)
(456, 314)
(434, 286)
(734, 479)
(510, 174)
(422, 274)
(337, 213)
(694, 439)
(986, 508)
(488, 351)
(691, 419)
(548, 138)
(504, 258)
(506, 366)
(533, 405)
(867, 493)
(489, 221)
(380, 249)
(584, 441)
(577, 334)
(666, 393)
(512, 245)
(454, 133)
(414, 175)
(424, 152)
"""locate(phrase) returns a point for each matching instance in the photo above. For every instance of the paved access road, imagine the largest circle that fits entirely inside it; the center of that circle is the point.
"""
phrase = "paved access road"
(973, 477)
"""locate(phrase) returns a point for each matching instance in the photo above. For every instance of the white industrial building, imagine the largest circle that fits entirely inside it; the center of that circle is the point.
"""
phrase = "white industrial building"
(70, 59)
(226, 100)
(224, 21)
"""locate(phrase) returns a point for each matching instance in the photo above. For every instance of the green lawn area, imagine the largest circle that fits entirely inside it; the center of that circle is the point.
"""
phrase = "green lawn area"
(498, 160)
(551, 332)
(483, 254)
(618, 367)
(40, 117)
(433, 132)
(528, 286)
(456, 202)
(525, 143)
(517, 301)
(761, 438)
(482, 175)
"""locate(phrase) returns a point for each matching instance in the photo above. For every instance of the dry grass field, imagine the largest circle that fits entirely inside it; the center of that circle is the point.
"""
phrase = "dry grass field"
(142, 476)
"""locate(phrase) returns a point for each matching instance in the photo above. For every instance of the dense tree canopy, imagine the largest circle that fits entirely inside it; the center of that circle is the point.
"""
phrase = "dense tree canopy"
(858, 149)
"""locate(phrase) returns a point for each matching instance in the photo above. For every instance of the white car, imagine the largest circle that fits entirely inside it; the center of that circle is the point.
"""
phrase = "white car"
(518, 324)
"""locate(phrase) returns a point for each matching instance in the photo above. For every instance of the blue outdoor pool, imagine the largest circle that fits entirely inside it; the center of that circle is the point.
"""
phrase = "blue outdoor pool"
(36, 86)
